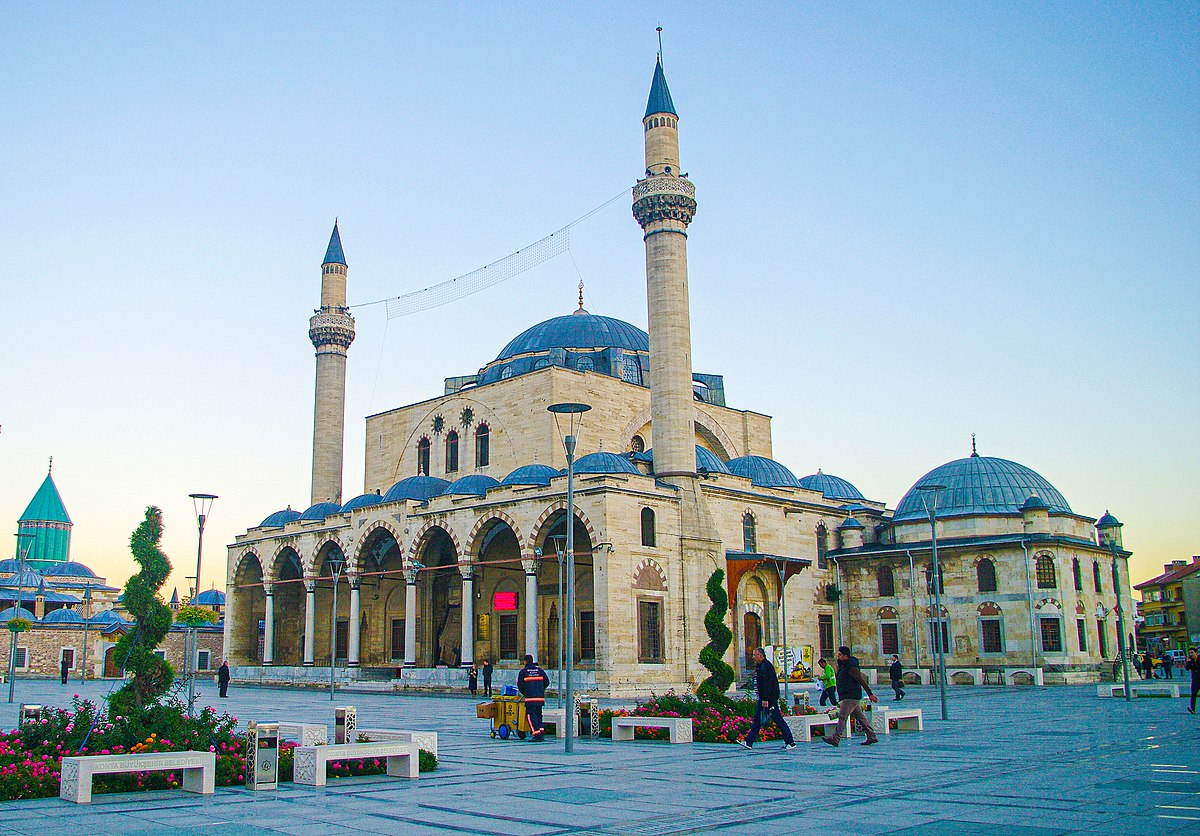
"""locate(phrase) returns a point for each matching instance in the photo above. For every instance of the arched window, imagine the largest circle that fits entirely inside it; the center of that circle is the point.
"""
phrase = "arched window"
(1077, 574)
(749, 535)
(631, 370)
(507, 373)
(637, 445)
(941, 579)
(647, 526)
(886, 582)
(986, 574)
(423, 457)
(822, 547)
(1046, 578)
(452, 451)
(483, 451)
(1096, 577)
(584, 364)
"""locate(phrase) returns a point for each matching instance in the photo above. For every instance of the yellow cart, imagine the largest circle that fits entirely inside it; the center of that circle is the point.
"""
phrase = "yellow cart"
(507, 714)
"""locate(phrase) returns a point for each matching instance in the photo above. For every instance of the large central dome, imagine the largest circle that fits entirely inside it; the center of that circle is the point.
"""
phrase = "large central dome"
(580, 330)
(980, 485)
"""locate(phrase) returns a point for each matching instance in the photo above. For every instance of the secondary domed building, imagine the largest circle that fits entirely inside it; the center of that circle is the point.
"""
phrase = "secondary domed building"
(451, 553)
(1028, 586)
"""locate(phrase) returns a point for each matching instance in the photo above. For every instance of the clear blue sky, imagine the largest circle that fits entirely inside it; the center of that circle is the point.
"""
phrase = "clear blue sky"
(916, 222)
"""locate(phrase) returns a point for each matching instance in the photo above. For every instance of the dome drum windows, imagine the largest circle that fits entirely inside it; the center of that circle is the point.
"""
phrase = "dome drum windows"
(985, 573)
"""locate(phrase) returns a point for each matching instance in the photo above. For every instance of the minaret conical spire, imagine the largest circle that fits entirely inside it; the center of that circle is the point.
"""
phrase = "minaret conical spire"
(660, 95)
(333, 253)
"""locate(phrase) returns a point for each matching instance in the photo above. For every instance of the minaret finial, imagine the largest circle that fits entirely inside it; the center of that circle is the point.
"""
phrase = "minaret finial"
(974, 452)
(581, 294)
(659, 31)
(50, 469)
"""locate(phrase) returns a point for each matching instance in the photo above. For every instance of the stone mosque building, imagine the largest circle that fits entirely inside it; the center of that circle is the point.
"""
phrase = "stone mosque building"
(452, 554)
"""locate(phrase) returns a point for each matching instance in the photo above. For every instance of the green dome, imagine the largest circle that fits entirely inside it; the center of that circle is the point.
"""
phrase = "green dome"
(45, 527)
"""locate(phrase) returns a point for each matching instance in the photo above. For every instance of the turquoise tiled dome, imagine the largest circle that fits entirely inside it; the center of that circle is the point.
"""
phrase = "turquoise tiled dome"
(764, 472)
(531, 474)
(320, 511)
(833, 487)
(365, 500)
(416, 488)
(979, 485)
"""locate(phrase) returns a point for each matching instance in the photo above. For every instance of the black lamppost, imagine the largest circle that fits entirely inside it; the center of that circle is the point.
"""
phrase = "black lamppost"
(929, 497)
(1116, 572)
(574, 413)
(337, 562)
(87, 614)
(202, 504)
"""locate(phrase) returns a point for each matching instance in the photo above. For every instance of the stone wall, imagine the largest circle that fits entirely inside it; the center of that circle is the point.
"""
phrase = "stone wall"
(44, 650)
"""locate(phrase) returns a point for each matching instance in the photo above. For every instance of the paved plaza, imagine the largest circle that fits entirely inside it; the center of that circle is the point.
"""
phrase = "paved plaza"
(1029, 760)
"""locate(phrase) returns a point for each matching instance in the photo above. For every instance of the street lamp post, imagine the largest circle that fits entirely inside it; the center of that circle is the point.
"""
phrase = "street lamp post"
(1116, 572)
(558, 548)
(202, 504)
(12, 650)
(574, 413)
(336, 563)
(87, 614)
(928, 491)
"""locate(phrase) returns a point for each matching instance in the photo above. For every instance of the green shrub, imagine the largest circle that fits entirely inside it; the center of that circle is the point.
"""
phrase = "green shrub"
(712, 656)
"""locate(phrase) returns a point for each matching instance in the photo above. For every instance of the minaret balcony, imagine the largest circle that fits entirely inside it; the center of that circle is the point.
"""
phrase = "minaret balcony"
(662, 197)
(331, 327)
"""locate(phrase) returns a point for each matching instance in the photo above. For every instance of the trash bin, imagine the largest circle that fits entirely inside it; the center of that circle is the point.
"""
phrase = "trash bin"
(262, 756)
(508, 717)
(345, 721)
(587, 709)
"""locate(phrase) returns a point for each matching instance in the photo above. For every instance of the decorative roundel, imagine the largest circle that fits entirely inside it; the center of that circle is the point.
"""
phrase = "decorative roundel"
(468, 416)
(438, 423)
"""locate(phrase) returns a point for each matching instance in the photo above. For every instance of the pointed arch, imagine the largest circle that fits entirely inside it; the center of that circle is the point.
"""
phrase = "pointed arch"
(422, 536)
(483, 525)
(536, 535)
(356, 564)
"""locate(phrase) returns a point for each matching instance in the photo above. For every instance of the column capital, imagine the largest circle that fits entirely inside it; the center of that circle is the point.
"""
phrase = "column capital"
(268, 589)
(410, 576)
(310, 585)
(355, 580)
(467, 571)
(530, 565)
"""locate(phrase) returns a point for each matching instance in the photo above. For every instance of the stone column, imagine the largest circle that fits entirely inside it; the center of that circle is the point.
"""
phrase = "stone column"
(531, 610)
(355, 618)
(310, 620)
(468, 616)
(269, 627)
(410, 618)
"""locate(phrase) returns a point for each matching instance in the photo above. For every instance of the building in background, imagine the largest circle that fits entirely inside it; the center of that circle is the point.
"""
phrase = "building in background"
(1164, 608)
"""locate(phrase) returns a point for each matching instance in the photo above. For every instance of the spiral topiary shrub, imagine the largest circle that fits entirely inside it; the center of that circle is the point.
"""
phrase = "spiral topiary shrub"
(713, 655)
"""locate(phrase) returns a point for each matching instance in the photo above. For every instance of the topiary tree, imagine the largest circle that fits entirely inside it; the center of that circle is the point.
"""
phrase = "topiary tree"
(152, 676)
(720, 636)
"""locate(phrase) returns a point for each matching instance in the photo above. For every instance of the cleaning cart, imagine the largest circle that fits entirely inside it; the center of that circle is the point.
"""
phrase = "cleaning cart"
(506, 710)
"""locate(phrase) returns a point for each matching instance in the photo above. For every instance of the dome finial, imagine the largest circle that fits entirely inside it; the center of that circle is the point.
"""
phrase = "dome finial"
(974, 452)
(659, 31)
(50, 469)
(581, 294)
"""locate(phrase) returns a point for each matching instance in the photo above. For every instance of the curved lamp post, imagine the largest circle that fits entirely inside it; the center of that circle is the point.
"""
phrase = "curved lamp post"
(1116, 573)
(337, 562)
(202, 504)
(574, 417)
(929, 497)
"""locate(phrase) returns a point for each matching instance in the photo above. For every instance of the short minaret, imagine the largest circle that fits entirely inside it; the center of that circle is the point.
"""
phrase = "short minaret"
(664, 203)
(331, 330)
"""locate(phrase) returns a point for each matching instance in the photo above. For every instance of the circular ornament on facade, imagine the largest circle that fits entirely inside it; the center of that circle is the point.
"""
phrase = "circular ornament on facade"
(438, 423)
(467, 417)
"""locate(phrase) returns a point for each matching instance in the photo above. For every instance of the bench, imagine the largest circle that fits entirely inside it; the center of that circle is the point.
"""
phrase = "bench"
(426, 740)
(907, 719)
(556, 717)
(679, 728)
(403, 759)
(802, 725)
(1152, 689)
(308, 734)
(199, 771)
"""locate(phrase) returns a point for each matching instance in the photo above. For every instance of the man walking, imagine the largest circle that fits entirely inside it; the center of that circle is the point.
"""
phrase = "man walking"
(850, 686)
(1193, 664)
(64, 669)
(896, 673)
(532, 682)
(487, 677)
(828, 682)
(766, 684)
(223, 678)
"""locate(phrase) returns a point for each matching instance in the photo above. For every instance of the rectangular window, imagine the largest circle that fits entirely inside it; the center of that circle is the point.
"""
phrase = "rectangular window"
(1102, 636)
(650, 637)
(203, 660)
(22, 658)
(1051, 630)
(342, 645)
(397, 639)
(1081, 628)
(508, 635)
(933, 637)
(68, 656)
(825, 634)
(161, 654)
(889, 638)
(587, 635)
(990, 635)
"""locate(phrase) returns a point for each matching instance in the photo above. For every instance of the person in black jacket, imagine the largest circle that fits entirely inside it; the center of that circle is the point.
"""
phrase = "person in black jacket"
(850, 686)
(896, 674)
(532, 682)
(766, 684)
(223, 679)
(1193, 664)
(487, 677)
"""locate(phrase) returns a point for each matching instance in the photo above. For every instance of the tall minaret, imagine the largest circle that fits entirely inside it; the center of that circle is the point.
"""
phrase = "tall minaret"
(331, 330)
(664, 203)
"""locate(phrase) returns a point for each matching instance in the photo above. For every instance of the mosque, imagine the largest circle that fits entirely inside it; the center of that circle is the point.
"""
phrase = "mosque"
(454, 551)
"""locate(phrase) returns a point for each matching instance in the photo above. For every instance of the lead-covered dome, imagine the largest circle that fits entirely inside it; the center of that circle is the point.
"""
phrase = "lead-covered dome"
(417, 488)
(320, 511)
(604, 462)
(764, 472)
(62, 616)
(70, 569)
(476, 484)
(280, 518)
(706, 460)
(365, 500)
(531, 474)
(834, 487)
(979, 485)
(210, 598)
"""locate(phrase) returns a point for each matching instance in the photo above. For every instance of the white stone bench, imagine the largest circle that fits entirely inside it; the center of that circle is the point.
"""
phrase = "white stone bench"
(907, 719)
(803, 724)
(307, 734)
(556, 717)
(403, 759)
(1023, 676)
(427, 740)
(1152, 689)
(679, 728)
(964, 676)
(199, 771)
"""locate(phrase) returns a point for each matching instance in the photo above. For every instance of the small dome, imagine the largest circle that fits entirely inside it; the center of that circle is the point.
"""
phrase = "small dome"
(28, 579)
(531, 474)
(210, 598)
(474, 485)
(979, 485)
(280, 518)
(10, 566)
(320, 511)
(70, 569)
(850, 522)
(604, 462)
(1035, 503)
(107, 617)
(706, 460)
(417, 488)
(62, 616)
(17, 612)
(764, 472)
(834, 487)
(1107, 521)
(365, 500)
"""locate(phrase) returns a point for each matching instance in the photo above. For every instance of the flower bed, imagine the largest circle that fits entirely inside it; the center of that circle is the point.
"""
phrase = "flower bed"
(31, 756)
(713, 721)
